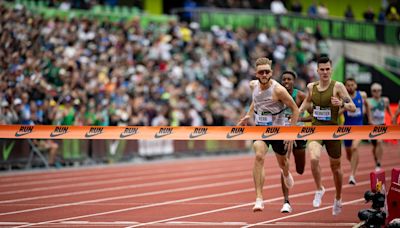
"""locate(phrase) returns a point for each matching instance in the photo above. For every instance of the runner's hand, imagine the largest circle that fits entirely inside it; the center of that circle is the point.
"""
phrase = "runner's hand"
(243, 121)
(289, 145)
(336, 101)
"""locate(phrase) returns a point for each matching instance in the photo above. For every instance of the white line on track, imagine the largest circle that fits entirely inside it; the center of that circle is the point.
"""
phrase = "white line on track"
(187, 223)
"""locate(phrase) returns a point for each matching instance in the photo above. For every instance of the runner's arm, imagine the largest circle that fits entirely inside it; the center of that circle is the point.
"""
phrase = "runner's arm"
(396, 115)
(285, 98)
(387, 107)
(346, 102)
(307, 100)
(366, 104)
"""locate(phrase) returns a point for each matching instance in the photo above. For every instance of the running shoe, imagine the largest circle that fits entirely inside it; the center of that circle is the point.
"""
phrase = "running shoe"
(337, 207)
(318, 197)
(352, 180)
(258, 205)
(286, 208)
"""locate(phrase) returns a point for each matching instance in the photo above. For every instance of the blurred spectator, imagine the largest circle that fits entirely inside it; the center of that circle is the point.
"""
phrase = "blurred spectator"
(382, 15)
(369, 15)
(297, 7)
(348, 14)
(312, 9)
(393, 15)
(322, 10)
(277, 7)
(188, 5)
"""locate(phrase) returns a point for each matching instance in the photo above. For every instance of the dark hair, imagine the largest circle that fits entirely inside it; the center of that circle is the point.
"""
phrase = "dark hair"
(289, 72)
(324, 59)
(349, 79)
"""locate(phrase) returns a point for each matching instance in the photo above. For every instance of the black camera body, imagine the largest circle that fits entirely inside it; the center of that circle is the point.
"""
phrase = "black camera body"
(373, 217)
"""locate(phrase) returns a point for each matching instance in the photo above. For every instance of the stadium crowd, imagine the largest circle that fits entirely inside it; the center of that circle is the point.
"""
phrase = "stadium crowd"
(82, 72)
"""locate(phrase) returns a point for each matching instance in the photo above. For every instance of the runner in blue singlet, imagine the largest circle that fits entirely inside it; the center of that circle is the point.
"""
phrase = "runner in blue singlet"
(354, 118)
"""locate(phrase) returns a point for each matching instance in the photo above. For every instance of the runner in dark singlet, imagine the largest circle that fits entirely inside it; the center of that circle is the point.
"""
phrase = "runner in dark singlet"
(326, 96)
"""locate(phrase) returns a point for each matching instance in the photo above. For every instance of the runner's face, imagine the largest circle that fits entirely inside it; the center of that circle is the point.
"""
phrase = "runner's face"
(288, 81)
(376, 92)
(324, 71)
(351, 87)
(263, 73)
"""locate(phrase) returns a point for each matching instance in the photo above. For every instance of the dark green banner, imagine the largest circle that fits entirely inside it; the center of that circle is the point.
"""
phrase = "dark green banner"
(335, 29)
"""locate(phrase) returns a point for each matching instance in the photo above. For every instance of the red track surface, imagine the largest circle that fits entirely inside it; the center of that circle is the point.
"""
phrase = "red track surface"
(213, 191)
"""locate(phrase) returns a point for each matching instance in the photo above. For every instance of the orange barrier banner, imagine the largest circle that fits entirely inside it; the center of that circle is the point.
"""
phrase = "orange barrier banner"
(201, 133)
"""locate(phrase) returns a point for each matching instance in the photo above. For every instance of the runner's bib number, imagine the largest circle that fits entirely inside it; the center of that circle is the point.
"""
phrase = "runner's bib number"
(322, 114)
(355, 113)
(263, 120)
(379, 116)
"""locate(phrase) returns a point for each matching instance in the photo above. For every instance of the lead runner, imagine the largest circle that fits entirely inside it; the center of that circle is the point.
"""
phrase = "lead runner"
(270, 100)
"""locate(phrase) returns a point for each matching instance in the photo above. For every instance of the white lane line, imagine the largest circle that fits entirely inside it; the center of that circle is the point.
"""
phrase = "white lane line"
(99, 223)
(13, 223)
(132, 186)
(301, 213)
(114, 179)
(201, 197)
(207, 223)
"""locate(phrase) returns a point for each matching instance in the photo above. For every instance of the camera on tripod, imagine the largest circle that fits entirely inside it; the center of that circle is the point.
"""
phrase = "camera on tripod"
(373, 217)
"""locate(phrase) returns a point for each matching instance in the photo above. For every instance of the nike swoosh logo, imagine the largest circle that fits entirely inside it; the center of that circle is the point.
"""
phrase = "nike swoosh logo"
(192, 136)
(158, 135)
(375, 135)
(21, 134)
(264, 136)
(300, 136)
(55, 134)
(335, 136)
(88, 134)
(229, 135)
(124, 135)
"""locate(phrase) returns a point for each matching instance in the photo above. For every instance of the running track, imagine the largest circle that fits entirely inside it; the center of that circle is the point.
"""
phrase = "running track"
(196, 192)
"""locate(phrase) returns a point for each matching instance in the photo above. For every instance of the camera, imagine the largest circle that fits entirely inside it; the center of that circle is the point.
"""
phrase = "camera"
(373, 217)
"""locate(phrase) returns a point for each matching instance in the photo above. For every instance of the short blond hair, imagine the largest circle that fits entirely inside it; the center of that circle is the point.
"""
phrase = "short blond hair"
(376, 85)
(263, 61)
